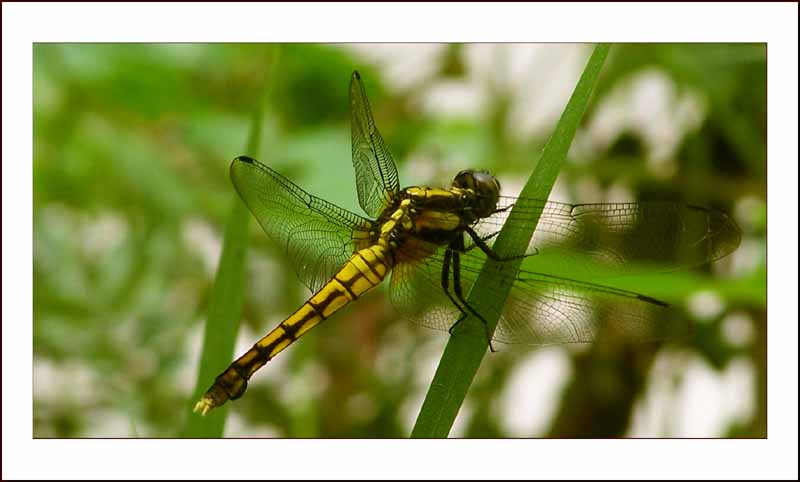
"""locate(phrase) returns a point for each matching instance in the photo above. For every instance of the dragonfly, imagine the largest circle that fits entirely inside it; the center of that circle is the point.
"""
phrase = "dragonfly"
(434, 242)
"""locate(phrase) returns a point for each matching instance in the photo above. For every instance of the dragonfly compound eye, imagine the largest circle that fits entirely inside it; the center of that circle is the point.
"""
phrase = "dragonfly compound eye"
(465, 179)
(487, 190)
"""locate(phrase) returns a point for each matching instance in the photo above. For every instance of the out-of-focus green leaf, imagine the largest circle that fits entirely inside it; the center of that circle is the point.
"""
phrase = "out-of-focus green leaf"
(227, 296)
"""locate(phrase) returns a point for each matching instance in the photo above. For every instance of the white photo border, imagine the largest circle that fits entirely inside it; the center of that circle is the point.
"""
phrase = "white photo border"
(24, 24)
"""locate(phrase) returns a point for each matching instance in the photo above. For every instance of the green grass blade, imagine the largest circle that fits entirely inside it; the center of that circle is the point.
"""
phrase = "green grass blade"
(226, 298)
(222, 325)
(463, 354)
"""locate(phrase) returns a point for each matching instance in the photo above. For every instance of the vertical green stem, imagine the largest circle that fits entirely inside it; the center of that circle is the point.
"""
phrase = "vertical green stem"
(463, 354)
(227, 295)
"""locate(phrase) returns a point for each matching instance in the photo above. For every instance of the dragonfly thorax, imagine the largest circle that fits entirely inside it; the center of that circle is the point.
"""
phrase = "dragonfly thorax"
(438, 215)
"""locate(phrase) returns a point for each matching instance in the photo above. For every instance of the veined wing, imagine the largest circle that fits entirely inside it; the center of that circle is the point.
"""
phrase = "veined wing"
(621, 238)
(541, 309)
(318, 236)
(547, 306)
(376, 174)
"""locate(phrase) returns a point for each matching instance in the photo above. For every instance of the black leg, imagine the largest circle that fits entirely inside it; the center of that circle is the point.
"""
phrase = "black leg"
(456, 247)
(460, 296)
(500, 210)
(448, 255)
(485, 238)
(479, 242)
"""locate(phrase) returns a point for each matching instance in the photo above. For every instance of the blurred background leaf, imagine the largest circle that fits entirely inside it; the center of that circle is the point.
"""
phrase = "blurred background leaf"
(131, 148)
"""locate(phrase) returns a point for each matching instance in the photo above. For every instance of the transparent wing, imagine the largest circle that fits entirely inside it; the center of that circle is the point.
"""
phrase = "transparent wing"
(541, 309)
(318, 236)
(548, 306)
(376, 174)
(620, 238)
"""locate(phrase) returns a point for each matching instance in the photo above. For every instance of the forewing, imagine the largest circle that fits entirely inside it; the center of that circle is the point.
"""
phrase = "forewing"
(556, 303)
(317, 236)
(621, 238)
(376, 174)
(540, 309)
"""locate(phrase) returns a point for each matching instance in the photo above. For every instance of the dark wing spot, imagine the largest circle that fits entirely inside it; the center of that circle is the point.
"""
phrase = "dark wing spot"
(245, 159)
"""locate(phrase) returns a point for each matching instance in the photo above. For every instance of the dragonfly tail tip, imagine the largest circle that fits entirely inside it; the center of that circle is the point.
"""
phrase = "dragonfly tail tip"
(203, 407)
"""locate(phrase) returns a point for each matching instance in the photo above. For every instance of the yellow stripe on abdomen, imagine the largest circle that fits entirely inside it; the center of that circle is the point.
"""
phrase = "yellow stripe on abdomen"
(365, 269)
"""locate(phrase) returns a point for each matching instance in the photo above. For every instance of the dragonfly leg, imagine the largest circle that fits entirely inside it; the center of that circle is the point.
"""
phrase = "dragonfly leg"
(501, 210)
(460, 295)
(448, 256)
(481, 243)
(485, 238)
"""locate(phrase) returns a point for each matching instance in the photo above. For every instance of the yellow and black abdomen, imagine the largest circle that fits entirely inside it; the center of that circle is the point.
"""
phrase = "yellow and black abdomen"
(365, 269)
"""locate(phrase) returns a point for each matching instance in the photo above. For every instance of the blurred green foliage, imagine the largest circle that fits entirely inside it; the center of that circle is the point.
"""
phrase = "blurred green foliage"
(131, 149)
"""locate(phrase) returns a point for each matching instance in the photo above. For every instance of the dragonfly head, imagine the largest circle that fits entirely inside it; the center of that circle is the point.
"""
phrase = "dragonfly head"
(486, 188)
